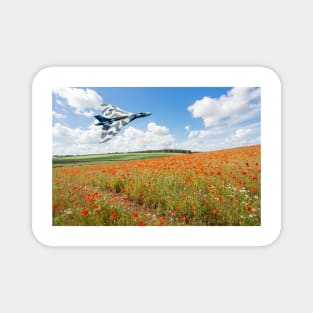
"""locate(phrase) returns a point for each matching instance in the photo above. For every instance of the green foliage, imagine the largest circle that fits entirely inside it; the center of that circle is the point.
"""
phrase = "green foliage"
(58, 160)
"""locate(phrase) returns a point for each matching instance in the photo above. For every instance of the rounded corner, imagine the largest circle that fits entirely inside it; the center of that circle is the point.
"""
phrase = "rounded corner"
(38, 239)
(41, 73)
(274, 238)
(272, 73)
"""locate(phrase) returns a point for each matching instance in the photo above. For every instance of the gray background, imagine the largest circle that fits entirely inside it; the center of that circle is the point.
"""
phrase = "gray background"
(36, 34)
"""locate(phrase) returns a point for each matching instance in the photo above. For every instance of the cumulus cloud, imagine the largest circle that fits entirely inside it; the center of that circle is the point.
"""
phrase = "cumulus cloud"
(58, 115)
(86, 141)
(59, 102)
(237, 105)
(76, 135)
(243, 136)
(204, 133)
(229, 120)
(82, 101)
(222, 137)
(242, 133)
(153, 138)
(187, 128)
(157, 130)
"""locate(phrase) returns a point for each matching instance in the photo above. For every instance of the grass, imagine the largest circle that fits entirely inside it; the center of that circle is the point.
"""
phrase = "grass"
(203, 189)
(110, 157)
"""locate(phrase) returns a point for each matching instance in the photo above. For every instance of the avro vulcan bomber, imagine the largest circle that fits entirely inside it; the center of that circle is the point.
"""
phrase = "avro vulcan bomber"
(113, 119)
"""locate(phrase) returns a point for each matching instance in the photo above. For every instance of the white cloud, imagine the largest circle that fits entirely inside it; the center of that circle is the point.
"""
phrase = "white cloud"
(58, 115)
(81, 100)
(86, 141)
(132, 133)
(237, 105)
(76, 135)
(242, 133)
(157, 130)
(200, 134)
(72, 141)
(221, 138)
(153, 138)
(243, 136)
(187, 128)
(89, 113)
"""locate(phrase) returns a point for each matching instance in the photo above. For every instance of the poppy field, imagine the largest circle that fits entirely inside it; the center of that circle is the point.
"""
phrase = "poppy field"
(220, 188)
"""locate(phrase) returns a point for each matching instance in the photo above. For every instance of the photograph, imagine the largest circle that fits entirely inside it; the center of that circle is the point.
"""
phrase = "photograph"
(156, 156)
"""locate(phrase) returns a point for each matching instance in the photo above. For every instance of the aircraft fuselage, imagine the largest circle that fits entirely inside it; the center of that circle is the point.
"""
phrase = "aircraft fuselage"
(108, 121)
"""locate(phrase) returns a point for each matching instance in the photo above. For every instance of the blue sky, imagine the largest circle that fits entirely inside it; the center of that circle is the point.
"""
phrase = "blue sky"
(199, 119)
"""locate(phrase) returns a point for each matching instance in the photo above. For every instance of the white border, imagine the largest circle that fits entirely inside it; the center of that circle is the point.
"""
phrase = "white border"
(262, 77)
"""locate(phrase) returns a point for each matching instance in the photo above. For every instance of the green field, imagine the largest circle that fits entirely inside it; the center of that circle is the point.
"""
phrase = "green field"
(110, 157)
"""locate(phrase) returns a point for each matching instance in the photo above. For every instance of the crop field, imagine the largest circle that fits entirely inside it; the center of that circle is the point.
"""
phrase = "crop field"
(199, 189)
(109, 157)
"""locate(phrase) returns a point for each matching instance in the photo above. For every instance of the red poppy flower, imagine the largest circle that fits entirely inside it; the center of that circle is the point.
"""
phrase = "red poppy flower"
(163, 219)
(141, 223)
(113, 216)
(250, 209)
(85, 212)
(135, 215)
(213, 211)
